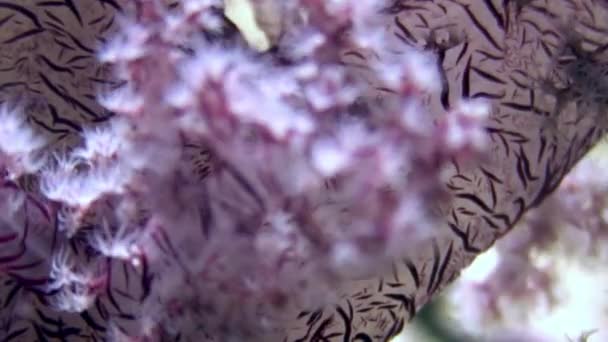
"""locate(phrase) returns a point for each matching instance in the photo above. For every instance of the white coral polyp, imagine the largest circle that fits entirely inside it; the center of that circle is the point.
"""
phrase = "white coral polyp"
(81, 190)
(102, 142)
(18, 142)
(120, 245)
(127, 47)
(422, 70)
(271, 114)
(476, 110)
(123, 101)
(72, 301)
(209, 66)
(63, 271)
(328, 158)
(412, 67)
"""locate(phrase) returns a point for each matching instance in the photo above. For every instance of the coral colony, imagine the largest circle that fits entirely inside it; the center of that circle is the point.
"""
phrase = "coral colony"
(203, 190)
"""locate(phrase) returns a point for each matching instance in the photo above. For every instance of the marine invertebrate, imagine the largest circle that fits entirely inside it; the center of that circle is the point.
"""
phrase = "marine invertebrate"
(493, 51)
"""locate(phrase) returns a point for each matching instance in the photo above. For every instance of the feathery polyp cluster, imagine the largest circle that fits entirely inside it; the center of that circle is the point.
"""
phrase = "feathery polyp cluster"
(72, 289)
(102, 143)
(300, 181)
(308, 188)
(66, 184)
(121, 244)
